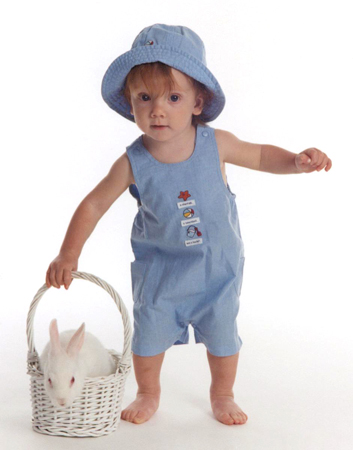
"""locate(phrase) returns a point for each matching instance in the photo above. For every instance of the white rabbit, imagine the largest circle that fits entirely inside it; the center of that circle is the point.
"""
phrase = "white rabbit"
(70, 357)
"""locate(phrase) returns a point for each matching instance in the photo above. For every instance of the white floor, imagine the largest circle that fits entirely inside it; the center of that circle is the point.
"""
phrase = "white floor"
(298, 399)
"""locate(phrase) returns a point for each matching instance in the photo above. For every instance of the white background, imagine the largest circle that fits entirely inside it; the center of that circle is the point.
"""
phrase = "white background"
(286, 70)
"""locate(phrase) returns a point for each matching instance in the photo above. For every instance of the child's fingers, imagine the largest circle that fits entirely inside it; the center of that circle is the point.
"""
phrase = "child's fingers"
(47, 280)
(315, 155)
(322, 163)
(304, 159)
(314, 159)
(50, 278)
(60, 277)
(304, 163)
(329, 165)
(54, 277)
(67, 278)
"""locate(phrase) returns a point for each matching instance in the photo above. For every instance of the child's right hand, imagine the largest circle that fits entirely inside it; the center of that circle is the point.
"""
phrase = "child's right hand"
(59, 271)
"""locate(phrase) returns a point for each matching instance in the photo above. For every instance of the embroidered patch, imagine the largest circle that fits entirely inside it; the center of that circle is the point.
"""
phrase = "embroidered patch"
(193, 242)
(188, 212)
(184, 223)
(184, 195)
(191, 231)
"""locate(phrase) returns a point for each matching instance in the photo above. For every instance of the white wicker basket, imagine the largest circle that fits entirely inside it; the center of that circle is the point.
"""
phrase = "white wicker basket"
(97, 411)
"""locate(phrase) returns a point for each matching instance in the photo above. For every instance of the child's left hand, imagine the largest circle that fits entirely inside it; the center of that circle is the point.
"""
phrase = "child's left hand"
(312, 159)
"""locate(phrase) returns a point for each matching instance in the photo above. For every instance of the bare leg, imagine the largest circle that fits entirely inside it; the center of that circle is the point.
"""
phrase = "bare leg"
(223, 371)
(147, 372)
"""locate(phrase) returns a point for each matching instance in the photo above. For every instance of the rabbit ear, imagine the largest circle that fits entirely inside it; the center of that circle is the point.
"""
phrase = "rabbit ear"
(54, 337)
(76, 342)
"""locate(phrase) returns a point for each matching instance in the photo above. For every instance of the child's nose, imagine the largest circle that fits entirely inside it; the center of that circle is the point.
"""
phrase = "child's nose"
(158, 107)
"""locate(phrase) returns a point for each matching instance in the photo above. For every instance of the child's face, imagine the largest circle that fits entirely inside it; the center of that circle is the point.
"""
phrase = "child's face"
(173, 109)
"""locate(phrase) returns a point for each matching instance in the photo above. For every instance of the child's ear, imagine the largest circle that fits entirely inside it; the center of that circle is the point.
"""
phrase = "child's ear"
(199, 104)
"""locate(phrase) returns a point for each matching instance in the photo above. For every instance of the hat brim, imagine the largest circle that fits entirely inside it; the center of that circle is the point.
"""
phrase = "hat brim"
(114, 78)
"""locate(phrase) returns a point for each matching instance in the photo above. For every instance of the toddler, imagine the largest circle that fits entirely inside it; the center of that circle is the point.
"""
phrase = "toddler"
(189, 253)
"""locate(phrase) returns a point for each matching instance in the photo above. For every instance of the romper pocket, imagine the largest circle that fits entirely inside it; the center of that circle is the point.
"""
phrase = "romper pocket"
(240, 275)
(138, 270)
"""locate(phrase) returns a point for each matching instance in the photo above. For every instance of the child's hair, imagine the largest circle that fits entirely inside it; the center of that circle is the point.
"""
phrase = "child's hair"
(150, 71)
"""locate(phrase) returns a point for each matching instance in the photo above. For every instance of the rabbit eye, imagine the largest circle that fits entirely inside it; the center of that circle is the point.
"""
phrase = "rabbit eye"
(49, 381)
(72, 380)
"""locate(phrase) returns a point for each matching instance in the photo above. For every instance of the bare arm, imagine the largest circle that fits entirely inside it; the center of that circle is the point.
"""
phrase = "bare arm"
(235, 151)
(269, 158)
(265, 158)
(277, 160)
(96, 204)
(85, 219)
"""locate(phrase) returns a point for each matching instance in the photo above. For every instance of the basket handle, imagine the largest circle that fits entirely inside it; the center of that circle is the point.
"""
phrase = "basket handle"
(126, 356)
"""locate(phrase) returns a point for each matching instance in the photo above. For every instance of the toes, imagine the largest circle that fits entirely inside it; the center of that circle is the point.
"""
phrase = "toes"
(239, 418)
(140, 417)
(125, 415)
(226, 418)
(132, 416)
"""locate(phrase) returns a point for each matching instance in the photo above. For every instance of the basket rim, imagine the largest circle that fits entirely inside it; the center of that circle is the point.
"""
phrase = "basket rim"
(35, 371)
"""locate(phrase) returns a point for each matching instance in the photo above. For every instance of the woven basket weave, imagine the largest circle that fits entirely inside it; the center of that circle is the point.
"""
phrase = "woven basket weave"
(96, 412)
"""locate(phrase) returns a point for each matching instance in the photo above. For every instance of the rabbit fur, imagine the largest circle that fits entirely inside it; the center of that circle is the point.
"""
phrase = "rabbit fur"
(70, 357)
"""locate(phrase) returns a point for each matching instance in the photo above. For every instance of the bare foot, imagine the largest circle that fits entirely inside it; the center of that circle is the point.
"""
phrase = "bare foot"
(141, 409)
(227, 411)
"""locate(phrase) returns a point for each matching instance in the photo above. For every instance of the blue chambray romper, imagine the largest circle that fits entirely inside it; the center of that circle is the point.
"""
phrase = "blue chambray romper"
(189, 253)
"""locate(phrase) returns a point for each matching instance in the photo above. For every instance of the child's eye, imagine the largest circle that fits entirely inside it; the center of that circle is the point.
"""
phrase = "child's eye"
(173, 96)
(144, 95)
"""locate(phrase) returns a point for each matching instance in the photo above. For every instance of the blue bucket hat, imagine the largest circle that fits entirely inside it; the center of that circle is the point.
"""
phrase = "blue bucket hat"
(174, 45)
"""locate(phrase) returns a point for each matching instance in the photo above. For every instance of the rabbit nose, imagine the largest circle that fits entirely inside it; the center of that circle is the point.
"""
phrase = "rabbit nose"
(61, 401)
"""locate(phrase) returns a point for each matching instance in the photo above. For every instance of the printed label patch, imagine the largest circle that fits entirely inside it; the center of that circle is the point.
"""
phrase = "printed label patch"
(184, 223)
(193, 242)
(183, 204)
